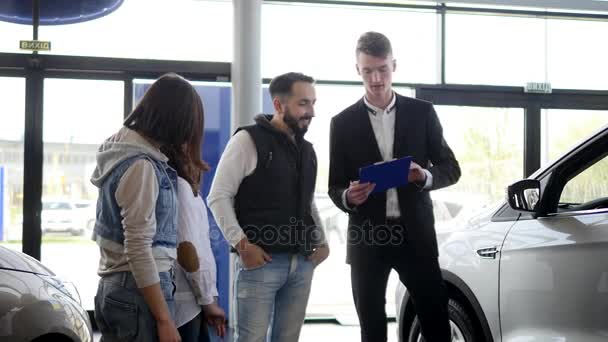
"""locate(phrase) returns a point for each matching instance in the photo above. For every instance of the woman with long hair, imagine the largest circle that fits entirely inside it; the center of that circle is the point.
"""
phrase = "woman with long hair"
(136, 221)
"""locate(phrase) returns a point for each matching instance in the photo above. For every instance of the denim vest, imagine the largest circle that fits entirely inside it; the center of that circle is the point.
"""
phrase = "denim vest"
(109, 221)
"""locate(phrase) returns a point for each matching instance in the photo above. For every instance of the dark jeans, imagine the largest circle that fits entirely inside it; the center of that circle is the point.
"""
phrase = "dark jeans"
(121, 312)
(420, 273)
(195, 330)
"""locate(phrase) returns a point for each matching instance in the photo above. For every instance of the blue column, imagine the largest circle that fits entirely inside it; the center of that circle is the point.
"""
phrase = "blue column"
(216, 101)
(2, 190)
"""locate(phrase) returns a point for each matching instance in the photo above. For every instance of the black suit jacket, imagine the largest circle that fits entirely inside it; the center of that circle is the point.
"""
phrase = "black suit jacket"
(418, 133)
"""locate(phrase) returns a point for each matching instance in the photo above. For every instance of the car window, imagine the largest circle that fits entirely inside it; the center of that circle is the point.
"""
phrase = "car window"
(56, 206)
(588, 189)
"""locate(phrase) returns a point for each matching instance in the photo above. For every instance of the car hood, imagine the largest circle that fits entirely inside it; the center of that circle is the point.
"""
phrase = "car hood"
(474, 220)
(14, 260)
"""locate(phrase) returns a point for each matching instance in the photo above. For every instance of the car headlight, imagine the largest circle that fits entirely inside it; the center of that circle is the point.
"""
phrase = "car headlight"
(65, 286)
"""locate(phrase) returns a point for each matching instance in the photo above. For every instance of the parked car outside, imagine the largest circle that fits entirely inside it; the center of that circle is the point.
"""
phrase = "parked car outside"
(76, 217)
(37, 306)
(534, 267)
(451, 208)
(85, 212)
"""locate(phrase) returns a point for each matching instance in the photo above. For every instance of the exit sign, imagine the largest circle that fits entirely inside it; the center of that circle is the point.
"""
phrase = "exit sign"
(536, 87)
(35, 45)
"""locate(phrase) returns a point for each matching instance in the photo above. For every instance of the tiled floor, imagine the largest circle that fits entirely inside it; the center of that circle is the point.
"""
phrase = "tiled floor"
(331, 332)
(335, 332)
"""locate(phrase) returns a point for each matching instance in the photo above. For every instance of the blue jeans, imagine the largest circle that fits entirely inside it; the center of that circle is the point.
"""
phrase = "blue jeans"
(121, 312)
(271, 300)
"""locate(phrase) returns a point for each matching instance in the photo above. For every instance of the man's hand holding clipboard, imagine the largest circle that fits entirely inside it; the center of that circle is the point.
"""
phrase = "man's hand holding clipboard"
(382, 176)
(416, 174)
(357, 193)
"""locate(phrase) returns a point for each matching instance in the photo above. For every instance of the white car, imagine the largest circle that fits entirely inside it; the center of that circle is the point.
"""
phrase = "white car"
(535, 267)
(35, 305)
(68, 216)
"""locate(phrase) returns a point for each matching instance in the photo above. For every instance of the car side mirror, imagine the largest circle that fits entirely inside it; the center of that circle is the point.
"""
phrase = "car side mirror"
(524, 195)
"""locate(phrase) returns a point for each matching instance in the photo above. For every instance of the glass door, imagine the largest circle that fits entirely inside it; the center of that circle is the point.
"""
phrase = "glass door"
(78, 115)
(562, 129)
(11, 161)
(489, 145)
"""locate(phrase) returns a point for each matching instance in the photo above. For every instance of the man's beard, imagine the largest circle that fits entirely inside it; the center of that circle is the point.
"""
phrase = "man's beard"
(292, 123)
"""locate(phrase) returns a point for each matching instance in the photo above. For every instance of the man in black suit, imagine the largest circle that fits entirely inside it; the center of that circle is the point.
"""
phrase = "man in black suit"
(392, 229)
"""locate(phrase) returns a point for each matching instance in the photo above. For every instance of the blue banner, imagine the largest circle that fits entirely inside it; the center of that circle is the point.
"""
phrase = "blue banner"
(2, 204)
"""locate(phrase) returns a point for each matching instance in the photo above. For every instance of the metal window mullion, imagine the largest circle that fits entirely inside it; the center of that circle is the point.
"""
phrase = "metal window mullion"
(442, 44)
(532, 139)
(32, 163)
(128, 96)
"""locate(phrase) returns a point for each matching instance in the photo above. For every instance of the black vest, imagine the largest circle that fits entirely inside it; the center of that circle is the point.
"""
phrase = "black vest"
(273, 204)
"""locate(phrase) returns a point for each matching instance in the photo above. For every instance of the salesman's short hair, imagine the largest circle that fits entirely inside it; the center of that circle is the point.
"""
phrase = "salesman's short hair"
(374, 44)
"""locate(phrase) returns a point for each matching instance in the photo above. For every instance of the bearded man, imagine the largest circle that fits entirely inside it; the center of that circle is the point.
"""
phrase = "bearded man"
(262, 197)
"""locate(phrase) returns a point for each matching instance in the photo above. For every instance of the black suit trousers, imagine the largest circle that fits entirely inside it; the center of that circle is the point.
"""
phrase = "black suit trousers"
(419, 272)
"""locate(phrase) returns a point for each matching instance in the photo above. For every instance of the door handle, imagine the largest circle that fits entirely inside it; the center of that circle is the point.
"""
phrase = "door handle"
(487, 252)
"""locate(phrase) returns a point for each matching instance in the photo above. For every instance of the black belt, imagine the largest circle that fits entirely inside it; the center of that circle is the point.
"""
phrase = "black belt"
(393, 221)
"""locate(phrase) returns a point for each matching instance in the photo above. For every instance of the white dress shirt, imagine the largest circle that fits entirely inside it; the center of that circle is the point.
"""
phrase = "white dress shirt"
(193, 289)
(383, 124)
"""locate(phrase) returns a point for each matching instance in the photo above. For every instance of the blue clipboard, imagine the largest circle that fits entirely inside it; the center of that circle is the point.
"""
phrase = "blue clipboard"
(386, 175)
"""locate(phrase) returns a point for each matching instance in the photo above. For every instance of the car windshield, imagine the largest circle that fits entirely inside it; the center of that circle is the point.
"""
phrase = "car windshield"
(55, 206)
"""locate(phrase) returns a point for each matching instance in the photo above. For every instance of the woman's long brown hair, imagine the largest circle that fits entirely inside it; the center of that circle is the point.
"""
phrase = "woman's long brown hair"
(171, 113)
(188, 164)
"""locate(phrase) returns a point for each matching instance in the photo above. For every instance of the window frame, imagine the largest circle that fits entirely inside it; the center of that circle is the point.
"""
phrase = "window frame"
(576, 162)
(35, 68)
